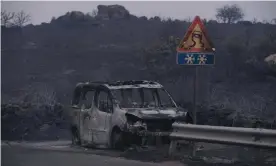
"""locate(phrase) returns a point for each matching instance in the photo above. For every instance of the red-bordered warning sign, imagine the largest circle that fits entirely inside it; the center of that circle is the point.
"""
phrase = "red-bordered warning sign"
(196, 39)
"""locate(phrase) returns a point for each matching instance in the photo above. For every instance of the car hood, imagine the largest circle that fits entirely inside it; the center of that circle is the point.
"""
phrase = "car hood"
(155, 113)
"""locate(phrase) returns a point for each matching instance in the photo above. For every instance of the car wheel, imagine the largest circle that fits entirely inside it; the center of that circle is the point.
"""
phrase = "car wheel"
(75, 137)
(117, 139)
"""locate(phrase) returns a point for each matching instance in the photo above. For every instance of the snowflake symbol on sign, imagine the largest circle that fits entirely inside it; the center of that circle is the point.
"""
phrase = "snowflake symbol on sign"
(202, 59)
(190, 59)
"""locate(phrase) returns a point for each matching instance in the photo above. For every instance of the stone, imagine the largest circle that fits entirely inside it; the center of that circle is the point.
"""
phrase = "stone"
(112, 12)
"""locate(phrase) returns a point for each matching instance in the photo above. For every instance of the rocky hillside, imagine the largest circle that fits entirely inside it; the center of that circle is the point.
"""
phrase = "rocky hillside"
(113, 44)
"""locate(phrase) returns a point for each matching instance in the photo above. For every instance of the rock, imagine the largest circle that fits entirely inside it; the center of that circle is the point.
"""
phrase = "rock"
(156, 18)
(71, 16)
(271, 62)
(76, 15)
(112, 12)
(44, 127)
(143, 18)
(271, 59)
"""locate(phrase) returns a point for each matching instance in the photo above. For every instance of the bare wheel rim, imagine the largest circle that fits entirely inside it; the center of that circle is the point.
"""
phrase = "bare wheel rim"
(116, 139)
(75, 139)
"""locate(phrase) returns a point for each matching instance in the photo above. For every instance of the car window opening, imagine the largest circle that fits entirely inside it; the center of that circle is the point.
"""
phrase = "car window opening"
(143, 98)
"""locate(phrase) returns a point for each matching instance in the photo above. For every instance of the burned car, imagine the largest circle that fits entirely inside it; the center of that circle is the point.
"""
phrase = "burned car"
(122, 113)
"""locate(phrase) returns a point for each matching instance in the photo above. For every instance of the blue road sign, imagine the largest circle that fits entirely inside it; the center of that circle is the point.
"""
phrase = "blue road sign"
(195, 58)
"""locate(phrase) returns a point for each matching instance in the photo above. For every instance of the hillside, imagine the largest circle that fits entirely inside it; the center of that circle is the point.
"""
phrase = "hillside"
(53, 57)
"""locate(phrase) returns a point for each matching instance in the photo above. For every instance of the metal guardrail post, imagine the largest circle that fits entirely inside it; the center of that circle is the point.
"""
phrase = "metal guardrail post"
(172, 147)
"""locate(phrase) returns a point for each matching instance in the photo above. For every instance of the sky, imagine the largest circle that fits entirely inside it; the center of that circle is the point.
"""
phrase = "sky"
(43, 11)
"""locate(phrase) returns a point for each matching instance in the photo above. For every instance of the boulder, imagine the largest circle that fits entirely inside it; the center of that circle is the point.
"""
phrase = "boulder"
(70, 16)
(107, 12)
(75, 15)
(156, 18)
(271, 62)
(143, 18)
(271, 59)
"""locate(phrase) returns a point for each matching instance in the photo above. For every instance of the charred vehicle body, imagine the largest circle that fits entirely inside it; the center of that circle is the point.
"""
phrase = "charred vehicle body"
(122, 113)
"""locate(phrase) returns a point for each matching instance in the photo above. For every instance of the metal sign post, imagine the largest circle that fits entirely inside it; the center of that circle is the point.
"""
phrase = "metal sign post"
(194, 105)
(195, 49)
(195, 95)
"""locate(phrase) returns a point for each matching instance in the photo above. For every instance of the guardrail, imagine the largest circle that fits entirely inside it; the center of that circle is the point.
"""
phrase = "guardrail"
(254, 137)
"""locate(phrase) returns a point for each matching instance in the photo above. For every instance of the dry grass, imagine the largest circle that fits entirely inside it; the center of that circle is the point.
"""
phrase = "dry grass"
(249, 107)
(37, 95)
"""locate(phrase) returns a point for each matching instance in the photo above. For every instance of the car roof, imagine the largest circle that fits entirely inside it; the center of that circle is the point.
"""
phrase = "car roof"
(119, 84)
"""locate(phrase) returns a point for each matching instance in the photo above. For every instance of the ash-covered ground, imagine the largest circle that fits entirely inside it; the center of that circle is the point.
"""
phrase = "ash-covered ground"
(32, 123)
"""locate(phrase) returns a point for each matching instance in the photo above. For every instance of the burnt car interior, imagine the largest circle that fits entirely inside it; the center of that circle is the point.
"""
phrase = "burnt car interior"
(142, 98)
(103, 101)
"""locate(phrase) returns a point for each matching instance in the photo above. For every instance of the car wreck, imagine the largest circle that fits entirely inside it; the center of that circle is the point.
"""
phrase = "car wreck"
(123, 113)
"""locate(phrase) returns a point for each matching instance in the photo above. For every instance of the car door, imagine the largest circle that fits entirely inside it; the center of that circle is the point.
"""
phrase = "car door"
(85, 116)
(102, 111)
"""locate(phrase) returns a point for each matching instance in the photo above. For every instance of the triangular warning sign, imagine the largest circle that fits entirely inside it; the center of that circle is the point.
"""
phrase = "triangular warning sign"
(196, 39)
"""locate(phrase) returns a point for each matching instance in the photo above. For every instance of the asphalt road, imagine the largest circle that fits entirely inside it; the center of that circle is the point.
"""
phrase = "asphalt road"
(60, 153)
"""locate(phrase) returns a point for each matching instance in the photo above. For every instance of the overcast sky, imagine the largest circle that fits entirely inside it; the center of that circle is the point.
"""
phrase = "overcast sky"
(44, 11)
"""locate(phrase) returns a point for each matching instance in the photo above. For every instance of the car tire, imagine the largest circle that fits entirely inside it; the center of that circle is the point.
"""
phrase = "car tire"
(76, 137)
(116, 139)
